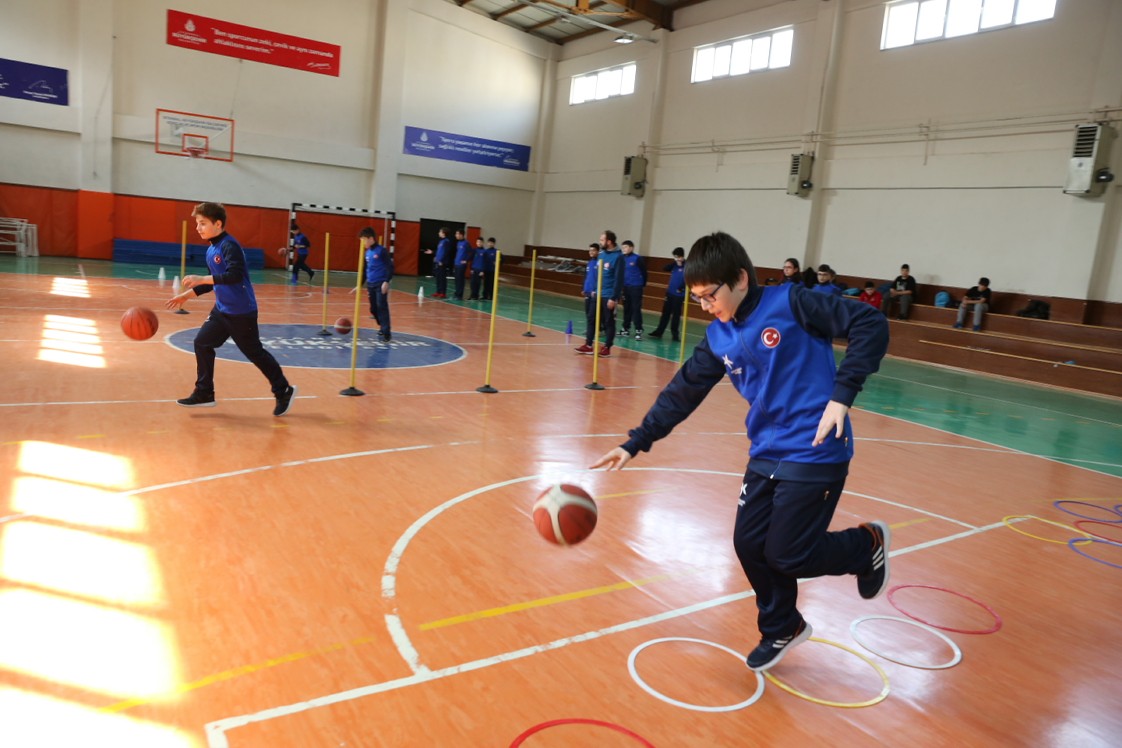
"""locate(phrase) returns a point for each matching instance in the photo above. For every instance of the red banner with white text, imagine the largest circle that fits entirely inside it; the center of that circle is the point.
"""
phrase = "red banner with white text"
(247, 43)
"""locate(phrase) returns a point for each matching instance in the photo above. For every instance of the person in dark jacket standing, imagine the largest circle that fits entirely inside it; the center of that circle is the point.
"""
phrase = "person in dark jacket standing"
(775, 346)
(634, 283)
(234, 314)
(378, 264)
(675, 296)
(300, 245)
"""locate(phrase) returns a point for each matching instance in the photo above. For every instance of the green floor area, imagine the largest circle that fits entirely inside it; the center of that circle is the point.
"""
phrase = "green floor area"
(1074, 428)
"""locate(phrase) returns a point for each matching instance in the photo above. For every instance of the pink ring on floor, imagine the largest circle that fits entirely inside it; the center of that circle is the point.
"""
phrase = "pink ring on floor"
(579, 721)
(997, 619)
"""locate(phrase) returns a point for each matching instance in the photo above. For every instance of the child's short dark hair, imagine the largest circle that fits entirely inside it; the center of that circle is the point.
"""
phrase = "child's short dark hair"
(491, 239)
(368, 233)
(718, 258)
(678, 252)
(905, 267)
(594, 245)
(628, 243)
(983, 281)
(213, 212)
(870, 284)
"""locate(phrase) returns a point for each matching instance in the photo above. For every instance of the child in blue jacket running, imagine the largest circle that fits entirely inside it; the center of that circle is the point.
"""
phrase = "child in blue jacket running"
(775, 346)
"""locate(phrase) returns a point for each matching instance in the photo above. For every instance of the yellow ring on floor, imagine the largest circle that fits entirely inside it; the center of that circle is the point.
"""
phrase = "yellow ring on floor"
(840, 704)
(1006, 521)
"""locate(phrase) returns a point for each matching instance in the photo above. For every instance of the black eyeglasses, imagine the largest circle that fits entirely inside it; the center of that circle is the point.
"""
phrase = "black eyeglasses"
(708, 298)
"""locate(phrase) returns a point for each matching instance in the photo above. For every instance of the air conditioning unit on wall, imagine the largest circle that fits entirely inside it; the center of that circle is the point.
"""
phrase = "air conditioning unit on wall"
(1088, 171)
(798, 178)
(634, 176)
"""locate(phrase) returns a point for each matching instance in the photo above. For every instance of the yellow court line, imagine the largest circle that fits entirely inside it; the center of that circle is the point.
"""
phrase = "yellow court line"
(905, 523)
(541, 602)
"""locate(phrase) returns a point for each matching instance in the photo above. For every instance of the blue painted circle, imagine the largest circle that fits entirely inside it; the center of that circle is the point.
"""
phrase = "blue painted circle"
(301, 346)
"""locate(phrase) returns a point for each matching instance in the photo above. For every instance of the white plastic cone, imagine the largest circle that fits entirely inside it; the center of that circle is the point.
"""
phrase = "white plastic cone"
(421, 294)
(162, 275)
(175, 285)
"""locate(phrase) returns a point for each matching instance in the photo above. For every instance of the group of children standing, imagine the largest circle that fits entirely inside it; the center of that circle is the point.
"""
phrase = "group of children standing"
(618, 275)
(471, 267)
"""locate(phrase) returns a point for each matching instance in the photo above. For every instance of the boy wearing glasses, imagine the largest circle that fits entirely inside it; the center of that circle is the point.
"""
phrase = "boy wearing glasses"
(775, 345)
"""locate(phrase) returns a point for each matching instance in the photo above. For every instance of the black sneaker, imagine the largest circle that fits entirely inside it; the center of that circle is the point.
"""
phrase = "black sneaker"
(284, 401)
(771, 651)
(872, 583)
(197, 400)
(656, 334)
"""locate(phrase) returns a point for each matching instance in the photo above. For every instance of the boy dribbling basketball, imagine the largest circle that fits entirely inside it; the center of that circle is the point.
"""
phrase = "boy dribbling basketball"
(775, 346)
(234, 314)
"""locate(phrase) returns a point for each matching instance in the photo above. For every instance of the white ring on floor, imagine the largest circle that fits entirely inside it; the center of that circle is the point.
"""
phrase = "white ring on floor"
(957, 658)
(694, 707)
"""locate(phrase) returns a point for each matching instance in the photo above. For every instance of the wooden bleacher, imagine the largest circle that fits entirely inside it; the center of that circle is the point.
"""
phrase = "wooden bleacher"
(1079, 347)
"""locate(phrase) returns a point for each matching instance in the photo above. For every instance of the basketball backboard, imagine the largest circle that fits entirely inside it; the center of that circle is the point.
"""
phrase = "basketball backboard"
(194, 135)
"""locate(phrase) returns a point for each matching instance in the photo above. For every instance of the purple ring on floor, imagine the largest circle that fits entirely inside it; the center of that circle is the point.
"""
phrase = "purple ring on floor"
(1074, 542)
(1106, 509)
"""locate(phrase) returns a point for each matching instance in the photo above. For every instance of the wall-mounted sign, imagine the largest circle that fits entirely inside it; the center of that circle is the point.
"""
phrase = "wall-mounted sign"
(23, 80)
(467, 149)
(190, 31)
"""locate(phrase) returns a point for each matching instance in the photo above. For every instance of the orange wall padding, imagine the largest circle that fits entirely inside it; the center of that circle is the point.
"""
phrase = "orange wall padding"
(54, 211)
(57, 213)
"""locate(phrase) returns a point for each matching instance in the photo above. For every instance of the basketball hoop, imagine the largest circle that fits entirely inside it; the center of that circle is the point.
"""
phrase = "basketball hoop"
(194, 151)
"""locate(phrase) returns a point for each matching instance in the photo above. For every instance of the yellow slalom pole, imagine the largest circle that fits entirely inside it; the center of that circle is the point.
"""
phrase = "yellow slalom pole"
(530, 314)
(487, 388)
(594, 385)
(326, 267)
(685, 321)
(182, 262)
(353, 391)
(183, 253)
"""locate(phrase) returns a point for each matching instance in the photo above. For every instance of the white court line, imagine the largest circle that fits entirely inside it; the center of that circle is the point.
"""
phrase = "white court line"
(216, 731)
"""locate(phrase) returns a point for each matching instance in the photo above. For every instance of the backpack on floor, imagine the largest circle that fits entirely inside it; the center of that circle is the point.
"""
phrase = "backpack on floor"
(943, 298)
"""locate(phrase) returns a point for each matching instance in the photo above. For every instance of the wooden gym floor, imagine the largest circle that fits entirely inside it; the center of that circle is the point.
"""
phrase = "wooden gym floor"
(364, 571)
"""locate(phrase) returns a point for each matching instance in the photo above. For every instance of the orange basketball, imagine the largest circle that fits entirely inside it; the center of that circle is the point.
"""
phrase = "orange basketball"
(343, 325)
(139, 323)
(565, 514)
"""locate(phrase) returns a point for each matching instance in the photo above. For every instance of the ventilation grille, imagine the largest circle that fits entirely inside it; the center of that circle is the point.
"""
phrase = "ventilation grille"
(1085, 139)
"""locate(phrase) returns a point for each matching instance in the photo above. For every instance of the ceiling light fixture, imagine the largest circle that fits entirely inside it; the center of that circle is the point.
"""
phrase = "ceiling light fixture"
(625, 39)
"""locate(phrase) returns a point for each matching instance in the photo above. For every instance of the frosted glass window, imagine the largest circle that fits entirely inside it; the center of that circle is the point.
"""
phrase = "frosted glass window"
(932, 18)
(721, 57)
(739, 56)
(603, 84)
(909, 21)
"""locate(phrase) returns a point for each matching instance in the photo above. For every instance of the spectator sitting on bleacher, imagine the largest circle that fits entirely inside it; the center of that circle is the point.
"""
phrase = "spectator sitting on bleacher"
(827, 281)
(977, 297)
(902, 292)
(791, 271)
(871, 295)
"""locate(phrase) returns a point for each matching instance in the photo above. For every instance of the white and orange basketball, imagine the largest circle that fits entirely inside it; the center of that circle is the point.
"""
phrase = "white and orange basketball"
(565, 514)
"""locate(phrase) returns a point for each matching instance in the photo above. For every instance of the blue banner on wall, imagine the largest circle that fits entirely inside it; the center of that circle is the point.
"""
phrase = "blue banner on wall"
(23, 80)
(452, 147)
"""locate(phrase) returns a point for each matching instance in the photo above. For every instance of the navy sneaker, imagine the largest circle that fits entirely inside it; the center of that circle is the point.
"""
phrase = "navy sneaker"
(197, 400)
(771, 651)
(284, 401)
(872, 583)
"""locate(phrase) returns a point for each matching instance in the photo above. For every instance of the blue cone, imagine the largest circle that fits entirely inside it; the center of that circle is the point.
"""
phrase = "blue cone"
(569, 328)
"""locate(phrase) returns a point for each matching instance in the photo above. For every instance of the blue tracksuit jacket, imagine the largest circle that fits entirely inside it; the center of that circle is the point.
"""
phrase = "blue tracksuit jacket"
(233, 291)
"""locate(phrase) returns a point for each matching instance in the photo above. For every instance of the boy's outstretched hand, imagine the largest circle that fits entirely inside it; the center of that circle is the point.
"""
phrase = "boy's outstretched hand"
(615, 460)
(175, 302)
(833, 419)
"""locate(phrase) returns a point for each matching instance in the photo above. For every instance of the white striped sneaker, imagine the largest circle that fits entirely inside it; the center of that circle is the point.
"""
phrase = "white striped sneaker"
(771, 651)
(872, 583)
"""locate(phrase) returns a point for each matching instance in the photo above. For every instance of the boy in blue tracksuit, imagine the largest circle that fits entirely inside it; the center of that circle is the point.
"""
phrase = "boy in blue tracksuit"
(588, 291)
(441, 261)
(490, 255)
(378, 264)
(464, 254)
(775, 346)
(675, 296)
(300, 245)
(234, 314)
(478, 260)
(634, 283)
